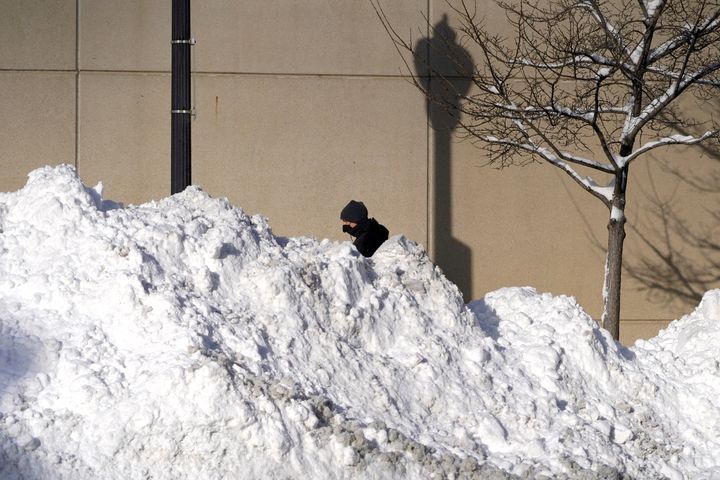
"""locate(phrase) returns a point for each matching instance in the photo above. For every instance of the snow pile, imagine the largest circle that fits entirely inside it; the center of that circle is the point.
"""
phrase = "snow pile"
(181, 339)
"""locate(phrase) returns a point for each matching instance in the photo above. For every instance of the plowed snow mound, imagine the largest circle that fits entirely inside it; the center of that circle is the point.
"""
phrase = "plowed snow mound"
(182, 340)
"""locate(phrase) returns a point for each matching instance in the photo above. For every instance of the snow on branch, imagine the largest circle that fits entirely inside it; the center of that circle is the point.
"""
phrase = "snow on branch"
(635, 123)
(584, 115)
(672, 140)
(602, 20)
(689, 33)
(652, 8)
(522, 116)
(584, 59)
(604, 193)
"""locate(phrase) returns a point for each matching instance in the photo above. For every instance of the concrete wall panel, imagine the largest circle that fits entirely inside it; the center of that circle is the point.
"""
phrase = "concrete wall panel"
(298, 149)
(39, 125)
(125, 135)
(632, 330)
(130, 35)
(335, 37)
(37, 34)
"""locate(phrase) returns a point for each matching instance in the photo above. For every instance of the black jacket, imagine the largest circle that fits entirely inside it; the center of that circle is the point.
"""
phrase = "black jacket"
(369, 235)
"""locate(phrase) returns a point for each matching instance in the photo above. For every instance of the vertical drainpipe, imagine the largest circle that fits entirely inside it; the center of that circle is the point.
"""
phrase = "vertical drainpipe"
(181, 110)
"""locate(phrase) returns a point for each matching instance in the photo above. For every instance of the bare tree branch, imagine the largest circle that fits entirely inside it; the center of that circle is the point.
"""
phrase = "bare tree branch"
(674, 140)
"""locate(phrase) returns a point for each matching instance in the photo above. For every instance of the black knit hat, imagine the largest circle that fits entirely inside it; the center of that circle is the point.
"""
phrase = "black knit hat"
(354, 212)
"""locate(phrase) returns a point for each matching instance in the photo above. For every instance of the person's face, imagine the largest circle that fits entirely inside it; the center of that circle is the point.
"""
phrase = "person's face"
(352, 225)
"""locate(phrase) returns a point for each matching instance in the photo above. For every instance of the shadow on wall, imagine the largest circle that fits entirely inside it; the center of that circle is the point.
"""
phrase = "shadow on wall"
(445, 74)
(682, 255)
(683, 259)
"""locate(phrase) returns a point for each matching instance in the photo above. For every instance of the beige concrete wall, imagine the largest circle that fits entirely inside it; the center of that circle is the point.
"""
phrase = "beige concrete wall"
(37, 86)
(633, 330)
(39, 123)
(319, 37)
(37, 34)
(123, 139)
(129, 35)
(301, 106)
(348, 140)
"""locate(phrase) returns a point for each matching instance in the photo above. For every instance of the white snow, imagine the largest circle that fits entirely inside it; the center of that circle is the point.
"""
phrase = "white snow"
(671, 140)
(180, 339)
(651, 6)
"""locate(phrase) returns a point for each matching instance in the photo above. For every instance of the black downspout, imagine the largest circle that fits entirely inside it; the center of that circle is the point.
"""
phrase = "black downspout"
(181, 110)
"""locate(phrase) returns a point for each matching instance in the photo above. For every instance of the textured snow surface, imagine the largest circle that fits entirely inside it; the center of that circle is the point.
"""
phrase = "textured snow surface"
(182, 340)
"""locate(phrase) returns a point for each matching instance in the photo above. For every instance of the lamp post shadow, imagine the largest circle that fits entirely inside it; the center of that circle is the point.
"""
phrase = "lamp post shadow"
(445, 74)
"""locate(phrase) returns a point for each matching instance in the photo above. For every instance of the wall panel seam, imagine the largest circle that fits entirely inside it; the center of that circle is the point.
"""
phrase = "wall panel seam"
(77, 85)
(210, 72)
(429, 147)
(254, 74)
(37, 70)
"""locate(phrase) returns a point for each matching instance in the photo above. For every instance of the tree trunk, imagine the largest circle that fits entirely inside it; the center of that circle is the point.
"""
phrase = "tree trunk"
(613, 276)
(613, 262)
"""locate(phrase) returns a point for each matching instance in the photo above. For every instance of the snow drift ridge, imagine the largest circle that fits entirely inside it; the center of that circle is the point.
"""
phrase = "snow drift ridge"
(181, 339)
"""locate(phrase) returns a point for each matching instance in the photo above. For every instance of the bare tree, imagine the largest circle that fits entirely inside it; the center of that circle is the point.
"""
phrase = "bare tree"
(586, 86)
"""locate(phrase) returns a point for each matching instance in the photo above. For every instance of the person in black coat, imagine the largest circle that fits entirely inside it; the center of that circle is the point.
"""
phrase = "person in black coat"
(368, 233)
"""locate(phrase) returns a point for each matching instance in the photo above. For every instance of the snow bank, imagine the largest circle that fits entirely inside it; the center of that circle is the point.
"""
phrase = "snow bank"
(181, 339)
